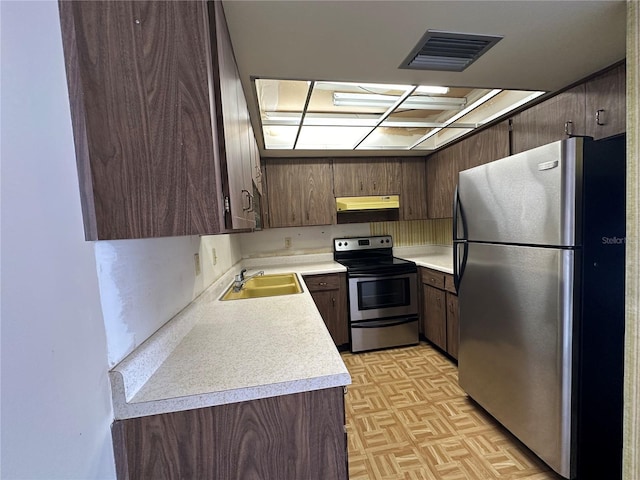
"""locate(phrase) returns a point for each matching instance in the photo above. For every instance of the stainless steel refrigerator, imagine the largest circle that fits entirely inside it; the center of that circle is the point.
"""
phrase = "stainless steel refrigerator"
(539, 240)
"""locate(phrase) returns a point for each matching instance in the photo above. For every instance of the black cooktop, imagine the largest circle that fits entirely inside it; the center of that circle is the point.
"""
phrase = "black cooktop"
(378, 265)
(370, 256)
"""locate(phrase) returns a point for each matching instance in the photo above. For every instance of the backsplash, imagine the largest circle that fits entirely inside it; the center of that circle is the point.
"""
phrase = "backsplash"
(307, 240)
(416, 232)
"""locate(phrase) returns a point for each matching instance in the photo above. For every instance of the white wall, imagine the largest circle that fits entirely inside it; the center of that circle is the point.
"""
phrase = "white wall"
(56, 407)
(144, 283)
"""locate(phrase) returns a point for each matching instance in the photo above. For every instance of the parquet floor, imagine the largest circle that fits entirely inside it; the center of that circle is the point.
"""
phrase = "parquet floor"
(407, 418)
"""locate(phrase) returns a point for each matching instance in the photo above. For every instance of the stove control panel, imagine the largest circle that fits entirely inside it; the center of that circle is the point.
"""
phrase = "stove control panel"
(362, 243)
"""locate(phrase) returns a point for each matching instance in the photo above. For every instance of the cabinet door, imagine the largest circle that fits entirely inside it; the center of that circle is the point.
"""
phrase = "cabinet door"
(233, 123)
(329, 292)
(138, 75)
(413, 199)
(485, 146)
(442, 176)
(453, 336)
(330, 307)
(362, 176)
(549, 121)
(606, 103)
(434, 316)
(299, 192)
(238, 440)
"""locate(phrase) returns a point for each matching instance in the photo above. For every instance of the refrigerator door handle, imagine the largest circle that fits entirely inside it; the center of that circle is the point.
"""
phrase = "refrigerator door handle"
(459, 262)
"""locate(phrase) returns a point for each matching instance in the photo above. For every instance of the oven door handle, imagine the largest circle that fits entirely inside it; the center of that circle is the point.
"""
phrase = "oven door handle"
(383, 323)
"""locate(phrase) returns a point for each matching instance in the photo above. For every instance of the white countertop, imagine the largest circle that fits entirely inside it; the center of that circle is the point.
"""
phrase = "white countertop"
(431, 256)
(216, 352)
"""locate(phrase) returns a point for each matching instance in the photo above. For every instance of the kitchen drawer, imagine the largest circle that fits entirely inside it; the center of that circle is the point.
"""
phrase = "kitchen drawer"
(449, 286)
(322, 282)
(433, 278)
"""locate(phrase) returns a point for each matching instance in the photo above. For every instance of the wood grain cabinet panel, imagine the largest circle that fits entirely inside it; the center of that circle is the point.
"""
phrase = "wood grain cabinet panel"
(366, 176)
(160, 120)
(442, 177)
(606, 103)
(288, 437)
(453, 329)
(413, 198)
(440, 310)
(435, 316)
(299, 192)
(485, 146)
(235, 133)
(138, 75)
(554, 119)
(329, 293)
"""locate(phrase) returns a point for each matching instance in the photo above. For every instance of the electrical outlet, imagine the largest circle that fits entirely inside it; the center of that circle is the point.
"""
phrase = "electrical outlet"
(287, 242)
(196, 260)
(214, 257)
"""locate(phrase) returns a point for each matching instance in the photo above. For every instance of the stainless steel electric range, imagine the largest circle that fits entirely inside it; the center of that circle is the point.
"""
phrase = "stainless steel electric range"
(383, 293)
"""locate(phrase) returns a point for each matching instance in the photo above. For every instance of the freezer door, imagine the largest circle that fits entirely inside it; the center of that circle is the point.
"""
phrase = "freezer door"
(528, 198)
(516, 334)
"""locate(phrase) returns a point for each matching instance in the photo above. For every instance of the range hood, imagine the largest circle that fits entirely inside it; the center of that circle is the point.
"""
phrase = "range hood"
(360, 204)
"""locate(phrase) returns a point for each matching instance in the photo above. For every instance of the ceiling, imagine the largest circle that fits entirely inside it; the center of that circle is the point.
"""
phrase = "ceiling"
(547, 45)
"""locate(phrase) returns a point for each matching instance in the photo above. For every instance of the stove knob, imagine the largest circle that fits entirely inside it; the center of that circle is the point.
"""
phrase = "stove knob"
(339, 244)
(387, 240)
(381, 241)
(345, 244)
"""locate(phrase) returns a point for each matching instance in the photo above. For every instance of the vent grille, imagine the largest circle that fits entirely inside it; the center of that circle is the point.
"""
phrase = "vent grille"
(448, 51)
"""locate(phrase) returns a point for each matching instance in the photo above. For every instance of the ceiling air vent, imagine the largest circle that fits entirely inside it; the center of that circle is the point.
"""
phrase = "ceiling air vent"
(448, 51)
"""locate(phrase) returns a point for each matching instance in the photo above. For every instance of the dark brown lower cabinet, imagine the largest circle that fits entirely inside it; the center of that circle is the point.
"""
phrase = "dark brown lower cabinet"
(329, 293)
(440, 310)
(289, 437)
(453, 332)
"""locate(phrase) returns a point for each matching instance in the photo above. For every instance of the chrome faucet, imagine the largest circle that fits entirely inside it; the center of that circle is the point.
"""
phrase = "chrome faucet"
(240, 279)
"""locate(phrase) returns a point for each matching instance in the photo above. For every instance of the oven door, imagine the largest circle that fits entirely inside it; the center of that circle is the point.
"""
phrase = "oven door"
(373, 297)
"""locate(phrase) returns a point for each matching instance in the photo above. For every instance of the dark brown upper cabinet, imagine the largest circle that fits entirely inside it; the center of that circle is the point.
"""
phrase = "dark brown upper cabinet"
(145, 118)
(235, 134)
(299, 192)
(413, 198)
(354, 177)
(606, 103)
(443, 166)
(555, 119)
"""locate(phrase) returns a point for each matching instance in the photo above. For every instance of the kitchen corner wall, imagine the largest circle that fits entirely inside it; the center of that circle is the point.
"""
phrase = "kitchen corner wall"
(144, 283)
(631, 441)
(306, 240)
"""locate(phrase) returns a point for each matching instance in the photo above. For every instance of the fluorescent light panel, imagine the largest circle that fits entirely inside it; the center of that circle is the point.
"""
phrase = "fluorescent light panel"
(416, 103)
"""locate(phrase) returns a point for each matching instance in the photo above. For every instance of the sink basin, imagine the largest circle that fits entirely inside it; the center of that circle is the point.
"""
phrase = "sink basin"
(266, 286)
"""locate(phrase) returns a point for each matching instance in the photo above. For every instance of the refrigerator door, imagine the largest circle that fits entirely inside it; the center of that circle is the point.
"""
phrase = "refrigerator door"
(528, 198)
(515, 357)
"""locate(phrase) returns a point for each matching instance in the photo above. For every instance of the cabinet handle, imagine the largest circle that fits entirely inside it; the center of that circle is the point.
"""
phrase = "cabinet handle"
(249, 207)
(323, 284)
(568, 128)
(251, 203)
(599, 117)
(307, 215)
(360, 185)
(333, 300)
(374, 186)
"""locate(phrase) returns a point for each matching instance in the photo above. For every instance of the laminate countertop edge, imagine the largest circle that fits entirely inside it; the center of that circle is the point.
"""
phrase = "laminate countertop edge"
(220, 352)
